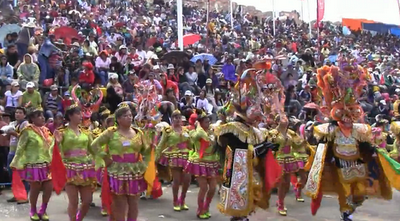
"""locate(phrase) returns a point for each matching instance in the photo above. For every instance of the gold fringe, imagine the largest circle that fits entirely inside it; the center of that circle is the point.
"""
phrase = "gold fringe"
(244, 133)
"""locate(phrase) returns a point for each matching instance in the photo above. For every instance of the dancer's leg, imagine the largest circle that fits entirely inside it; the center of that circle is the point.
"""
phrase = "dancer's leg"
(203, 189)
(87, 198)
(133, 209)
(73, 201)
(176, 176)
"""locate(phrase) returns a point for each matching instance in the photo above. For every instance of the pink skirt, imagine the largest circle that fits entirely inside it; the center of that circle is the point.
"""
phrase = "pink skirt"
(38, 172)
(290, 164)
(203, 169)
(80, 174)
(127, 184)
(174, 160)
(99, 175)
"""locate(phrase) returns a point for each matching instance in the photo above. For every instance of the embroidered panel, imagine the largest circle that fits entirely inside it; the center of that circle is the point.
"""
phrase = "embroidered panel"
(315, 175)
(238, 194)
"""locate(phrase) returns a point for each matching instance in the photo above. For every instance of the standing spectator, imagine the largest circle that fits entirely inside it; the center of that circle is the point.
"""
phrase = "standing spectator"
(52, 102)
(31, 98)
(12, 98)
(28, 71)
(4, 146)
(102, 66)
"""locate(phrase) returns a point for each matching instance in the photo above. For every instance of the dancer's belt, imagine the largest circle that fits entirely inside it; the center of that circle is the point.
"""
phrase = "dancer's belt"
(75, 153)
(126, 158)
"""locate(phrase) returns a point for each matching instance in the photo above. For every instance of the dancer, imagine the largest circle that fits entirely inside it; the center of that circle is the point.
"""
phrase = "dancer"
(125, 167)
(244, 148)
(291, 161)
(344, 157)
(173, 151)
(74, 143)
(204, 164)
(32, 160)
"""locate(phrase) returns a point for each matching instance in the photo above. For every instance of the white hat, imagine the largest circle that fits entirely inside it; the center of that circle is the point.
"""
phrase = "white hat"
(15, 84)
(188, 93)
(30, 85)
(113, 76)
(170, 66)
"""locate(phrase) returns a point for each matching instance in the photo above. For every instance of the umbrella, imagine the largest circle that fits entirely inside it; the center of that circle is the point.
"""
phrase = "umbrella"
(311, 106)
(67, 33)
(190, 39)
(211, 59)
(178, 55)
(8, 29)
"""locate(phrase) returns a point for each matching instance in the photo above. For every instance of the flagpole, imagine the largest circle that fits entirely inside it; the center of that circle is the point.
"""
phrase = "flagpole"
(309, 18)
(273, 17)
(231, 11)
(207, 23)
(302, 10)
(180, 23)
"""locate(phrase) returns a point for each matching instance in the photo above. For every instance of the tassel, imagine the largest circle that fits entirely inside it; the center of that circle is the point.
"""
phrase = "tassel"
(203, 146)
(18, 188)
(273, 171)
(58, 171)
(316, 203)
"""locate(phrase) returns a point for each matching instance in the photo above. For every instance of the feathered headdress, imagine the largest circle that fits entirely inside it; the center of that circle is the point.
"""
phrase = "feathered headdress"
(341, 86)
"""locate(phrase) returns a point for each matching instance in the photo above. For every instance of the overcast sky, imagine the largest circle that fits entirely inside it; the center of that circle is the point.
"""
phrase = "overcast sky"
(386, 11)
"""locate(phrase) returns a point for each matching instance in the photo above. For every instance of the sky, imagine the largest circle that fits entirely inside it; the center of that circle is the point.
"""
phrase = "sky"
(385, 11)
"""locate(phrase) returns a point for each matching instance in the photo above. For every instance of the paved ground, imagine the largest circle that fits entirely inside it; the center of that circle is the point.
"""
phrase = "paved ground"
(161, 210)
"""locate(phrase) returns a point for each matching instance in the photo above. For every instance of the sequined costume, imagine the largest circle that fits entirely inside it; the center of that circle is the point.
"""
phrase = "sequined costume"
(246, 179)
(345, 161)
(173, 149)
(34, 154)
(77, 156)
(128, 167)
(203, 161)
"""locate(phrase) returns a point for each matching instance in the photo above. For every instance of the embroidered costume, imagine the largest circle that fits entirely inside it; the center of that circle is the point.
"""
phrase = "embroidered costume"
(246, 183)
(77, 156)
(345, 161)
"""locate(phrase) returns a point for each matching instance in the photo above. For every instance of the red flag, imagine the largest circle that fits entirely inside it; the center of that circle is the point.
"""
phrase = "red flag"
(320, 11)
(203, 146)
(293, 180)
(106, 199)
(382, 80)
(58, 171)
(273, 171)
(316, 203)
(157, 189)
(18, 188)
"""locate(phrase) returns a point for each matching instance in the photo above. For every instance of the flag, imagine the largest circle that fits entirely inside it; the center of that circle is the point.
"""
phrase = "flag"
(273, 171)
(58, 170)
(320, 11)
(17, 187)
(203, 146)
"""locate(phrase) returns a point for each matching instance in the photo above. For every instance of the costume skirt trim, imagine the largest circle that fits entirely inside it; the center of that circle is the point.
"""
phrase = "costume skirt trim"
(290, 164)
(203, 169)
(127, 184)
(174, 160)
(80, 174)
(38, 172)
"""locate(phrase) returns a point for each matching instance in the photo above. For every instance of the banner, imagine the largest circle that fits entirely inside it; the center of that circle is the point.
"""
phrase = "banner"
(320, 10)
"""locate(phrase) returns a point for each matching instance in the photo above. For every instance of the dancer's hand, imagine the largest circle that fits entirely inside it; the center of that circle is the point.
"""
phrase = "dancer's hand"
(108, 161)
(58, 136)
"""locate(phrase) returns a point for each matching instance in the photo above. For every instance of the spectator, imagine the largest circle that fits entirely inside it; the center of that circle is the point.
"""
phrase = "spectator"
(102, 67)
(129, 86)
(186, 101)
(168, 84)
(87, 77)
(192, 78)
(229, 71)
(52, 102)
(201, 102)
(28, 72)
(66, 101)
(6, 71)
(55, 123)
(12, 98)
(31, 98)
(115, 84)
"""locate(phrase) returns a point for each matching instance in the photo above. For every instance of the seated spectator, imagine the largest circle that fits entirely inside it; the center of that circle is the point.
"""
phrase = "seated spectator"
(67, 101)
(102, 67)
(86, 77)
(113, 82)
(201, 102)
(6, 71)
(55, 123)
(129, 86)
(28, 71)
(168, 84)
(31, 98)
(186, 101)
(52, 102)
(12, 98)
(170, 96)
(112, 99)
(116, 66)
(154, 82)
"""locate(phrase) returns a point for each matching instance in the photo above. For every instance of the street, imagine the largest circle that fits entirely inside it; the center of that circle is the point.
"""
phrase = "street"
(161, 209)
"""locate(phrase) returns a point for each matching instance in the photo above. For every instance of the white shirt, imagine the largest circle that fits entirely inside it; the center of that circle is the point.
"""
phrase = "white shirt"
(12, 99)
(202, 104)
(100, 63)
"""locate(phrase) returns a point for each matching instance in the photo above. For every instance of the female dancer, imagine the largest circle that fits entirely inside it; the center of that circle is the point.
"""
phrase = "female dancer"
(173, 151)
(77, 155)
(288, 142)
(32, 160)
(125, 167)
(204, 164)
